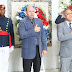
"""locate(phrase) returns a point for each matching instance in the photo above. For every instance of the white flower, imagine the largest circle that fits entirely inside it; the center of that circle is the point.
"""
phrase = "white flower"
(17, 25)
(18, 18)
(64, 4)
(61, 9)
(35, 16)
(46, 27)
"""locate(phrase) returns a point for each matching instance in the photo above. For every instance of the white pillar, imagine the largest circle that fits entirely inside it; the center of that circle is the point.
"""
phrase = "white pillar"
(51, 60)
(55, 42)
(53, 52)
(4, 2)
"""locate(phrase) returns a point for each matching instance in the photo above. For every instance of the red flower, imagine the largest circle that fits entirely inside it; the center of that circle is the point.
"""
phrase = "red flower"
(45, 23)
(70, 7)
(36, 9)
(40, 9)
(41, 17)
(41, 13)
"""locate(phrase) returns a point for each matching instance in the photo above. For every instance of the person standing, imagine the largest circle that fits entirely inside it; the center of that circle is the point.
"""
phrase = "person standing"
(6, 39)
(34, 43)
(64, 32)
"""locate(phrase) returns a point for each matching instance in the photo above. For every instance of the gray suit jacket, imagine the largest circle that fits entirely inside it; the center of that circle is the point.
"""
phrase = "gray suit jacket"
(65, 36)
(28, 36)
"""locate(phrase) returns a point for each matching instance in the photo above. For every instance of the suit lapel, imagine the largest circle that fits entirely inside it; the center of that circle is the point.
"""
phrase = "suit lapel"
(34, 22)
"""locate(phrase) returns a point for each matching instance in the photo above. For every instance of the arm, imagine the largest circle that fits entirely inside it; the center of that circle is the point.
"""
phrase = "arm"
(11, 30)
(23, 32)
(59, 19)
(60, 34)
(43, 38)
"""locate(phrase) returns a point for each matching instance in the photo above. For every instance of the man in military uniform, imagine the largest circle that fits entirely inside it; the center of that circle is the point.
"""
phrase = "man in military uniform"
(6, 39)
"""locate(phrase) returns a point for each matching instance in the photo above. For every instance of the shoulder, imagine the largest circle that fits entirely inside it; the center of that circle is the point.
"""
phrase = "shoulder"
(9, 19)
(61, 24)
(37, 19)
(23, 20)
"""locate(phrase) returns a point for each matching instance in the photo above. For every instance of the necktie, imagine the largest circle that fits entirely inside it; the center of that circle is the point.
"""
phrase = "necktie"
(70, 25)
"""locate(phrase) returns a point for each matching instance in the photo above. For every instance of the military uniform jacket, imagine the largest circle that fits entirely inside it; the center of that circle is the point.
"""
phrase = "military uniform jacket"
(6, 25)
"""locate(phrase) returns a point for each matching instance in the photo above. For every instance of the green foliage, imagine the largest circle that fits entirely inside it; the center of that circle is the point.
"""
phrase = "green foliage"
(16, 23)
(20, 39)
(62, 2)
(44, 14)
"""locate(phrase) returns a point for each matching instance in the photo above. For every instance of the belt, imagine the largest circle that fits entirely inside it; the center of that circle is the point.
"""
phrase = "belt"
(6, 33)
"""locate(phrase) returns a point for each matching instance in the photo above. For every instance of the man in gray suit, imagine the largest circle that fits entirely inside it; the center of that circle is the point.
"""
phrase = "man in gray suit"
(64, 31)
(33, 41)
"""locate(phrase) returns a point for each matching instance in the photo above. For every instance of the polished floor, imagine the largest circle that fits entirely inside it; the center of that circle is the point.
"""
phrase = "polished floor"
(15, 62)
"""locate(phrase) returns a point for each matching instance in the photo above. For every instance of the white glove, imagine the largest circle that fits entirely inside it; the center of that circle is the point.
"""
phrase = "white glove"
(11, 49)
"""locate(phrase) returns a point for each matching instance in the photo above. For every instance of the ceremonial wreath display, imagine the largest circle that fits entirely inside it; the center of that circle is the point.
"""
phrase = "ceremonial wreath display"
(64, 5)
(39, 13)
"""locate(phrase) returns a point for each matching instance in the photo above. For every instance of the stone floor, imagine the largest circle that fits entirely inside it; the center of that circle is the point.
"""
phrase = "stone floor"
(15, 63)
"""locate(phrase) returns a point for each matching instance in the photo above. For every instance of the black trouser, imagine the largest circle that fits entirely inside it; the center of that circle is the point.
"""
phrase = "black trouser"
(27, 63)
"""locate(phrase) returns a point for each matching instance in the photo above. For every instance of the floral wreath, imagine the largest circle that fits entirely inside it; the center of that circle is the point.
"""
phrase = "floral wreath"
(64, 5)
(38, 14)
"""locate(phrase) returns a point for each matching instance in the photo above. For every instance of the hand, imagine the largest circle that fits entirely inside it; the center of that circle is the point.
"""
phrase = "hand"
(71, 31)
(37, 29)
(44, 52)
(11, 49)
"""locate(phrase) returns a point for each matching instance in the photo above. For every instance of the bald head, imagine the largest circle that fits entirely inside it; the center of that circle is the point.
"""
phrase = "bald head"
(30, 11)
(29, 7)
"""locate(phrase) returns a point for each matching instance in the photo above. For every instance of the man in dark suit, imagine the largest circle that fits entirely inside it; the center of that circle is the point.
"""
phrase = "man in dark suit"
(6, 39)
(34, 43)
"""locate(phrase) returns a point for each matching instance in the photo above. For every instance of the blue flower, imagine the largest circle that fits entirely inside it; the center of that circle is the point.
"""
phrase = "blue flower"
(24, 8)
(22, 14)
(47, 33)
(47, 38)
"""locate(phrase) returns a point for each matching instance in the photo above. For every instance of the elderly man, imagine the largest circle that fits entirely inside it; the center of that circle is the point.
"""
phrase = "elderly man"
(6, 39)
(33, 41)
(64, 31)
